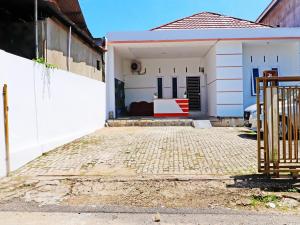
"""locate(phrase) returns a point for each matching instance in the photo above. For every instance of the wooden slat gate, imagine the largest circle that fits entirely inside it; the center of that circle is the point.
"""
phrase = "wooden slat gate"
(278, 118)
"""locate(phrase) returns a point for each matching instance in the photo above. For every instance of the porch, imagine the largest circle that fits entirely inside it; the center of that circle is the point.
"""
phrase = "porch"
(169, 75)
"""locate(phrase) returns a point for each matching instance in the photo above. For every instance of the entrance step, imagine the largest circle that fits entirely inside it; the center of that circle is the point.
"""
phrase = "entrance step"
(202, 124)
(149, 122)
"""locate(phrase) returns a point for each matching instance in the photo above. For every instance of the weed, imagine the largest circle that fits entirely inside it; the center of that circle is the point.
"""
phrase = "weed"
(259, 199)
(293, 190)
(44, 62)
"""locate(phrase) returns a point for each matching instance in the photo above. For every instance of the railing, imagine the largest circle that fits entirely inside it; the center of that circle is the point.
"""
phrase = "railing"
(278, 120)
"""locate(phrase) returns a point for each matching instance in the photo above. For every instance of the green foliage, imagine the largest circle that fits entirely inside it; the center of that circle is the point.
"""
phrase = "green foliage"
(260, 199)
(293, 190)
(44, 62)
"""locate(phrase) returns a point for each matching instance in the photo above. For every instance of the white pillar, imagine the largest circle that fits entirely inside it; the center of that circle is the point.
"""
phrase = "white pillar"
(110, 81)
(229, 77)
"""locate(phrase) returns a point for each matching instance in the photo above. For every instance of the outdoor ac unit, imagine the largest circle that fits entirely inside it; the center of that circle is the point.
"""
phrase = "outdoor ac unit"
(136, 67)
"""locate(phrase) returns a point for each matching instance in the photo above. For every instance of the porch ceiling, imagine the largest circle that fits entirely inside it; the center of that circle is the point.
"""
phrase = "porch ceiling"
(148, 51)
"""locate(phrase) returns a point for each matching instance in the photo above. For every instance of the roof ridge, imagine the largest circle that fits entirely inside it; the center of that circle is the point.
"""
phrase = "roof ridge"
(177, 20)
(212, 13)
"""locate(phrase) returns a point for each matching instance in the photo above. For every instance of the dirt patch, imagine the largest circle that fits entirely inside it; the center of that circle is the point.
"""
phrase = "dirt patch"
(154, 192)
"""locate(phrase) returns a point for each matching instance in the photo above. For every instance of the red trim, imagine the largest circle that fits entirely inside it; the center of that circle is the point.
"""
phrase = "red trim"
(182, 101)
(197, 40)
(171, 114)
(183, 105)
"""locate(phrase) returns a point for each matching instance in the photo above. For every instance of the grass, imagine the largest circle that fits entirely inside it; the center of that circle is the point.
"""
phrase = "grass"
(259, 199)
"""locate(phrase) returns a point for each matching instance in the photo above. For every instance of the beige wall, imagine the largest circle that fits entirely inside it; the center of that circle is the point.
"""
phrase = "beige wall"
(285, 14)
(83, 59)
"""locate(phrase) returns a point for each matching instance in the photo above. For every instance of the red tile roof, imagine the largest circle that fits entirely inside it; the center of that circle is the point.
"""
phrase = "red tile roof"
(207, 20)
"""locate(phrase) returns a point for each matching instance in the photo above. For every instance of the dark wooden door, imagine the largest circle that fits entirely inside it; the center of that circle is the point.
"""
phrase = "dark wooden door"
(193, 92)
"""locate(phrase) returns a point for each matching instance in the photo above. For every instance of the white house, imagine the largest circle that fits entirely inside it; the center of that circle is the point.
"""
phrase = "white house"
(215, 55)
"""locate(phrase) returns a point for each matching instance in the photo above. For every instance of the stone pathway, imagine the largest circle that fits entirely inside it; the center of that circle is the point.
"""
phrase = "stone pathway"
(129, 151)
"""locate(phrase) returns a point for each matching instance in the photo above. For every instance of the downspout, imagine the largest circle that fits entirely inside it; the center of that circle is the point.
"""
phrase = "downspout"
(36, 29)
(69, 48)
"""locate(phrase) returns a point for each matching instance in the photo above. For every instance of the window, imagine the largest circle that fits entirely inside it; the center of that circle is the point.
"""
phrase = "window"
(255, 74)
(174, 87)
(98, 65)
(159, 87)
(276, 69)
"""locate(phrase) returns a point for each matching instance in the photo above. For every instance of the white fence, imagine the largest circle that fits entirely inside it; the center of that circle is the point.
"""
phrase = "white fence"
(47, 108)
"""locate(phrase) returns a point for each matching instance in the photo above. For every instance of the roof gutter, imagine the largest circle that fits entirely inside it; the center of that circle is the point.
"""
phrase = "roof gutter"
(267, 10)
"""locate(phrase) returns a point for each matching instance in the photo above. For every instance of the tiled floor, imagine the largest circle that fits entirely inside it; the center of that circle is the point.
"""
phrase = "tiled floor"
(123, 151)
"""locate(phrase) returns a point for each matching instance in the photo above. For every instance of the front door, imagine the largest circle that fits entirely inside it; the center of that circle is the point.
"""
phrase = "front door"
(193, 92)
(119, 98)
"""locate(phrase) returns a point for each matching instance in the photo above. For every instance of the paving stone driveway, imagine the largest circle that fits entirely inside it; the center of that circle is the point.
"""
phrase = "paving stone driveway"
(149, 151)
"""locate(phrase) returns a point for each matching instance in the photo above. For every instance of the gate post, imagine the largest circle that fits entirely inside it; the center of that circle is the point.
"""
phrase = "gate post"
(6, 129)
(272, 118)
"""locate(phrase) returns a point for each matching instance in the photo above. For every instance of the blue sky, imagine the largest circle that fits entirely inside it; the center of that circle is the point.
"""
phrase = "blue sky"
(103, 16)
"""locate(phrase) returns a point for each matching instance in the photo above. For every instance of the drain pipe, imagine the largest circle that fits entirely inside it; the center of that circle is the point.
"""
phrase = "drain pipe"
(6, 130)
(69, 48)
(36, 29)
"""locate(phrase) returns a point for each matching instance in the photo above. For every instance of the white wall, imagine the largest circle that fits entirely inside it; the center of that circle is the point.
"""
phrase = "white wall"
(210, 71)
(46, 108)
(142, 87)
(288, 63)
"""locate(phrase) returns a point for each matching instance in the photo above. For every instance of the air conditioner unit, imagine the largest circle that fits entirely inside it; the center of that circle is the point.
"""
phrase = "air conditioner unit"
(136, 67)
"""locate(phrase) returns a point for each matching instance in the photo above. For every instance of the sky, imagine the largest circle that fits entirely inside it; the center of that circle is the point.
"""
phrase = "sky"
(104, 16)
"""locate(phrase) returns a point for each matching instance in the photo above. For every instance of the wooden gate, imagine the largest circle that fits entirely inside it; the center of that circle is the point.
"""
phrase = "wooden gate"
(278, 119)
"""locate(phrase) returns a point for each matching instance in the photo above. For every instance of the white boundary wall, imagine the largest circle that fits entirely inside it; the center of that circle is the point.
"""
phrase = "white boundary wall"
(47, 108)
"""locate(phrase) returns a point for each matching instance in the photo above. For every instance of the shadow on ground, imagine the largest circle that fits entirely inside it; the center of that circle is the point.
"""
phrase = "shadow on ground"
(265, 183)
(248, 134)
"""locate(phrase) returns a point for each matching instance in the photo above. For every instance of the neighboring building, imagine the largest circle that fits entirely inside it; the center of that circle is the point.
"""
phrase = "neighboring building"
(212, 58)
(281, 13)
(63, 39)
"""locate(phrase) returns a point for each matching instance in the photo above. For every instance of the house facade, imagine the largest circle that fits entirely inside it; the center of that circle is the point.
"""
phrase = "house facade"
(223, 54)
(64, 39)
(281, 13)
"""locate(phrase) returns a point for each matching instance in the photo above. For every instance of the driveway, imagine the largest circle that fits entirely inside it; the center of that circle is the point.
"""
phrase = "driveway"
(130, 151)
(152, 167)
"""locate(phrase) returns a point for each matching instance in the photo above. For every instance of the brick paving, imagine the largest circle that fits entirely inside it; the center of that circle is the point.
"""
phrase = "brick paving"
(150, 151)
